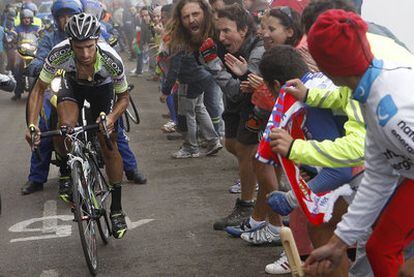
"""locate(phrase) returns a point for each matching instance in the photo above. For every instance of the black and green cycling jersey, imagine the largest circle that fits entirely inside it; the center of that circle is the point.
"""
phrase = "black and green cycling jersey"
(108, 67)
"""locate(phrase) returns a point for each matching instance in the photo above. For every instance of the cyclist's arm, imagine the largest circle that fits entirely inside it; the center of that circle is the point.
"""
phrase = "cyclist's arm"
(35, 101)
(120, 105)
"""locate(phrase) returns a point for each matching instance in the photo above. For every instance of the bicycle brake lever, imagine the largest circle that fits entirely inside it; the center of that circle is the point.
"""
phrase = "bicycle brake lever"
(102, 119)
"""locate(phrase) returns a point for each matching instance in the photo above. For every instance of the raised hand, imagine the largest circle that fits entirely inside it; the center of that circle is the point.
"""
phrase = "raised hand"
(297, 89)
(255, 81)
(237, 66)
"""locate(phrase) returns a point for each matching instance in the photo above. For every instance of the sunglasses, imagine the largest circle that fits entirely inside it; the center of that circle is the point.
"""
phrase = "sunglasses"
(285, 10)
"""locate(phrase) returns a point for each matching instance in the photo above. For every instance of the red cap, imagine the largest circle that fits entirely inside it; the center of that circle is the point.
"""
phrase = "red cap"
(338, 43)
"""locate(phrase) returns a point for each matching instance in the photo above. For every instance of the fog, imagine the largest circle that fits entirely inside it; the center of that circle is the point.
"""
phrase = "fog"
(398, 16)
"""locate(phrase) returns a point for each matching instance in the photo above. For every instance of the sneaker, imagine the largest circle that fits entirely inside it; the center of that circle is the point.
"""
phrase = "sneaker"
(119, 226)
(184, 154)
(242, 210)
(244, 227)
(261, 236)
(65, 189)
(169, 127)
(214, 148)
(236, 187)
(280, 266)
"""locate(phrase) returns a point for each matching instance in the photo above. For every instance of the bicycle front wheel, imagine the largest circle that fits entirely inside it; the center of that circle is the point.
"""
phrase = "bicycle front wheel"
(102, 196)
(85, 217)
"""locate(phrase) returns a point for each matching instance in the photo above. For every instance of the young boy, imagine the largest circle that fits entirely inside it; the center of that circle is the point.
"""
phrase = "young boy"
(320, 127)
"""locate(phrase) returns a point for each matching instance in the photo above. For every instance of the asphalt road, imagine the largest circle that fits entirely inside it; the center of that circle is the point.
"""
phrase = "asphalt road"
(171, 231)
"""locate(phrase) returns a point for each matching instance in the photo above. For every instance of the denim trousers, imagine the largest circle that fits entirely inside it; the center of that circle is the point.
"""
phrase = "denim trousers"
(197, 118)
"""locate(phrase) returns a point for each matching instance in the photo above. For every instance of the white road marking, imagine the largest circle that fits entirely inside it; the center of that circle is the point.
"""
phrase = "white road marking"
(132, 225)
(50, 228)
(49, 273)
(59, 231)
(49, 210)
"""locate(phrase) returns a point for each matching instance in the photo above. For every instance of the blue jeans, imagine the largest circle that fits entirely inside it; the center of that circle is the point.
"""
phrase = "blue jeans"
(213, 100)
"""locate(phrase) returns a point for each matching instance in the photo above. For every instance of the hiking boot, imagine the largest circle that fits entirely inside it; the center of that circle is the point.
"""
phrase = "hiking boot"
(31, 187)
(261, 236)
(65, 189)
(184, 154)
(242, 210)
(244, 227)
(136, 176)
(119, 226)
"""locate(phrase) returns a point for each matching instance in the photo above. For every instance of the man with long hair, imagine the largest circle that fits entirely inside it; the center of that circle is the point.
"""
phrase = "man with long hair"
(190, 25)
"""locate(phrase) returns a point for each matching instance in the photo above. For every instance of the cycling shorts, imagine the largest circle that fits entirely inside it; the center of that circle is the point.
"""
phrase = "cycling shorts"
(101, 98)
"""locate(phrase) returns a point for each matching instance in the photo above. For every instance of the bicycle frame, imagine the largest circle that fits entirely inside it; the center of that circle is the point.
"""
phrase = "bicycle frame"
(81, 152)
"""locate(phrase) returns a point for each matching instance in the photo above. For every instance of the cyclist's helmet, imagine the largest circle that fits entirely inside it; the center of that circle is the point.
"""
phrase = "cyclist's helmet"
(83, 27)
(30, 6)
(65, 7)
(26, 13)
(94, 7)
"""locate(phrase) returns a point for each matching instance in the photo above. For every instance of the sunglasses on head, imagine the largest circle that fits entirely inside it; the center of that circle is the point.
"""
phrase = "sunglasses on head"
(286, 11)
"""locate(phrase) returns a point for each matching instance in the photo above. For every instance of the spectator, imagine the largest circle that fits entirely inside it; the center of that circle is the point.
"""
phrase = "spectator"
(237, 34)
(190, 25)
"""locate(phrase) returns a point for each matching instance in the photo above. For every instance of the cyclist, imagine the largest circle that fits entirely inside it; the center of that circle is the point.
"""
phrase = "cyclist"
(62, 10)
(93, 70)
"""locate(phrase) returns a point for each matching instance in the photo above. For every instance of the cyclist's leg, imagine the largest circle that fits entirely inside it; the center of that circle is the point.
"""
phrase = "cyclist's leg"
(101, 99)
(68, 113)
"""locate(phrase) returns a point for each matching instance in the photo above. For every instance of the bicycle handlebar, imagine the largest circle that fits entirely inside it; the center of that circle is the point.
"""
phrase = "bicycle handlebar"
(64, 130)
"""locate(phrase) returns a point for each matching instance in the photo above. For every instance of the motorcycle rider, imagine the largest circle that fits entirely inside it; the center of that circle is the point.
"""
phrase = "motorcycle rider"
(26, 30)
(62, 10)
(29, 6)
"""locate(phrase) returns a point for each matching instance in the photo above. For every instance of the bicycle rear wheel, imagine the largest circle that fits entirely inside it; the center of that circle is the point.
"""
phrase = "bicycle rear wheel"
(85, 217)
(132, 111)
(101, 190)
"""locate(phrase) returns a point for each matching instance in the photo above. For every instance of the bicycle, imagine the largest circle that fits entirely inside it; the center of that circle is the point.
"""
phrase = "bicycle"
(90, 188)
